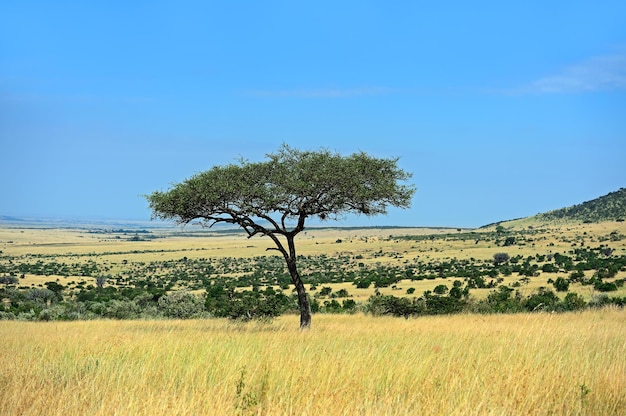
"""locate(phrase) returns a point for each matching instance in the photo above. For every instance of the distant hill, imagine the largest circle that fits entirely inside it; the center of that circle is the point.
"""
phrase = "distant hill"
(7, 218)
(610, 207)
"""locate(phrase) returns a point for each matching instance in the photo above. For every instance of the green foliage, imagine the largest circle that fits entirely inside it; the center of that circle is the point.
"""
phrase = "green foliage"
(601, 286)
(503, 301)
(561, 284)
(9, 280)
(440, 305)
(428, 304)
(544, 299)
(499, 258)
(509, 241)
(573, 302)
(391, 305)
(610, 207)
(226, 302)
(181, 305)
(440, 289)
(295, 183)
(325, 291)
(120, 309)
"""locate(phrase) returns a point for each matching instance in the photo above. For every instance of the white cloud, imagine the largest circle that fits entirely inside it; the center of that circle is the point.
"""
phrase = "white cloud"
(601, 73)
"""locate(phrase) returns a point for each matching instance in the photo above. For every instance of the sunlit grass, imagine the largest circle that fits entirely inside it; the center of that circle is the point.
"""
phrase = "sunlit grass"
(540, 364)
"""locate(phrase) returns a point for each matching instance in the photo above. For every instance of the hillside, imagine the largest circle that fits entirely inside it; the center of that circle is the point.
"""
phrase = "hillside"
(610, 207)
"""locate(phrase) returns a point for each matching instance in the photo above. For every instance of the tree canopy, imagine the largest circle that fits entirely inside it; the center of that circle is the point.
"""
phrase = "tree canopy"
(290, 185)
(275, 197)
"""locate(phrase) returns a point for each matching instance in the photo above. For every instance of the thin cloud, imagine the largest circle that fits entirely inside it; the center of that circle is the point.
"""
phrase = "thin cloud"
(602, 73)
(321, 93)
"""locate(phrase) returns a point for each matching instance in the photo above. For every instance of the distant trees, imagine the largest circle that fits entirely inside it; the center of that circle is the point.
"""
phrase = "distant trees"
(100, 281)
(509, 241)
(499, 258)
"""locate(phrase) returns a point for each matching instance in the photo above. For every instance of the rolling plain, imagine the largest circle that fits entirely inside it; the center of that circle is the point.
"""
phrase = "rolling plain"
(348, 363)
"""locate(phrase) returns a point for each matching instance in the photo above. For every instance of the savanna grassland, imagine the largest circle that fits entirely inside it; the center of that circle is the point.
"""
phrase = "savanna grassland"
(530, 364)
(394, 260)
(114, 348)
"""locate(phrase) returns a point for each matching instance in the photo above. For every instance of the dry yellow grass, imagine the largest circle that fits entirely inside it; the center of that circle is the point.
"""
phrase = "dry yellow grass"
(525, 364)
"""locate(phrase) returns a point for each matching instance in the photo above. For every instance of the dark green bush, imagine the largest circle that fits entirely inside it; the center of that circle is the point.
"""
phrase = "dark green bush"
(561, 284)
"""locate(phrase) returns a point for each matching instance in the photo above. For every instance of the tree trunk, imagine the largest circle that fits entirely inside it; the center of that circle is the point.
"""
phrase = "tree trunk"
(291, 259)
(303, 300)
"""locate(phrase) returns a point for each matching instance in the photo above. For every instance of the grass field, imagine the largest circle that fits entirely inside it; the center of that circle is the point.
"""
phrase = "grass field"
(521, 364)
(524, 364)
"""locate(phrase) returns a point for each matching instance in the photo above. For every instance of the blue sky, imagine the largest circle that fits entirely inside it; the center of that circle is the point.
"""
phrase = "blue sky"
(499, 110)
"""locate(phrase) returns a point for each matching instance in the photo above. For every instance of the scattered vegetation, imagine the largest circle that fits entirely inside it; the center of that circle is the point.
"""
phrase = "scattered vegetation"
(427, 276)
(611, 207)
(500, 358)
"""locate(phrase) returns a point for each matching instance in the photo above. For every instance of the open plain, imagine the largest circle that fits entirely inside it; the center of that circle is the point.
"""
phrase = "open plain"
(537, 363)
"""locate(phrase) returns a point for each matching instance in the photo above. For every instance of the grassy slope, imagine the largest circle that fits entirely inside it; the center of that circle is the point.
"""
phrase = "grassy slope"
(607, 208)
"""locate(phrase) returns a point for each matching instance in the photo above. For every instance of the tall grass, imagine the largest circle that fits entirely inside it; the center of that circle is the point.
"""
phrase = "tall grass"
(346, 365)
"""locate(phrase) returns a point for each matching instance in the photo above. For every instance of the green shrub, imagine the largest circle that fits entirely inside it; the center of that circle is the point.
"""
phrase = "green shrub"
(543, 299)
(325, 291)
(181, 305)
(440, 289)
(561, 284)
(502, 301)
(573, 302)
(601, 286)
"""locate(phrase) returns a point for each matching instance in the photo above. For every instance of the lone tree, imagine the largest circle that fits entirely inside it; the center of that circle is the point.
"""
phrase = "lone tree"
(275, 197)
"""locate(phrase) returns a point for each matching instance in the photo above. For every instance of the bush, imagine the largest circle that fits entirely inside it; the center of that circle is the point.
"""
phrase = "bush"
(443, 305)
(509, 241)
(601, 286)
(9, 280)
(501, 301)
(53, 313)
(121, 309)
(6, 316)
(391, 305)
(500, 258)
(544, 299)
(41, 296)
(573, 302)
(561, 284)
(549, 268)
(341, 293)
(598, 301)
(181, 305)
(362, 283)
(247, 304)
(577, 276)
(349, 305)
(440, 289)
(325, 291)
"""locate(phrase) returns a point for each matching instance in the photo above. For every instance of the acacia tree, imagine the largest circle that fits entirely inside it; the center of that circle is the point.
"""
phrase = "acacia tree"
(275, 197)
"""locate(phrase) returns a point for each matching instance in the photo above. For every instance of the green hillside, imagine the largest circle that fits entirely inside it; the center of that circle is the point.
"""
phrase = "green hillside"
(610, 207)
